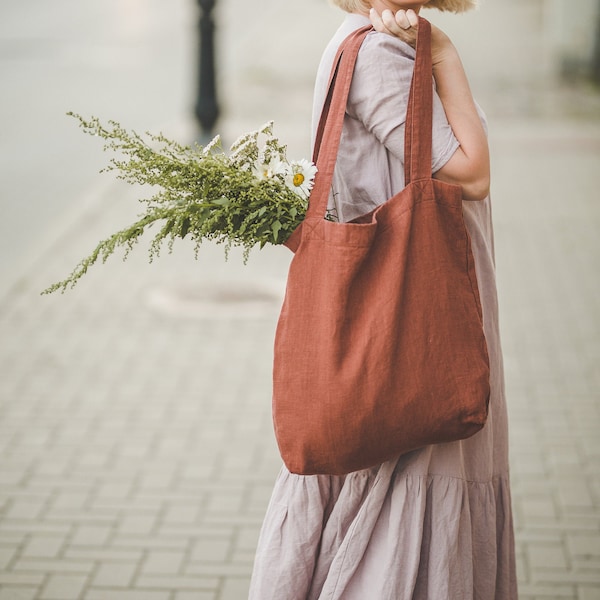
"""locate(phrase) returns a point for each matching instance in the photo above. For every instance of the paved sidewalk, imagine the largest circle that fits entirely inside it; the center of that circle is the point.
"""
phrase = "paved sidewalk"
(548, 252)
(136, 446)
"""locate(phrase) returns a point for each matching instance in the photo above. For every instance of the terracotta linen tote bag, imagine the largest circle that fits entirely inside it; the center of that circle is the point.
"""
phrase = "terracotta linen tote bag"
(379, 348)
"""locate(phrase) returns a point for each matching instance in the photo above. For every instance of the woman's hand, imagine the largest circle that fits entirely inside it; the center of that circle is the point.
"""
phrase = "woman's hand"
(403, 25)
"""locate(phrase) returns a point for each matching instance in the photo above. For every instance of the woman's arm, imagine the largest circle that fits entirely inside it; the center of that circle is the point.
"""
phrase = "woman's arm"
(469, 166)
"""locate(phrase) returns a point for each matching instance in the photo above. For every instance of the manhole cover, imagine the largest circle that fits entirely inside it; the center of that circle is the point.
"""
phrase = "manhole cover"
(236, 300)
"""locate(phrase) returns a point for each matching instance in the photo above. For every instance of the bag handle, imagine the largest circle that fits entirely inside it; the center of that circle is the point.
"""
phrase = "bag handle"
(418, 135)
(419, 114)
(351, 45)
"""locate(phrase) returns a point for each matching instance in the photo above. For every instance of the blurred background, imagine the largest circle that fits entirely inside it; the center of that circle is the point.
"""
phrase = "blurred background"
(136, 447)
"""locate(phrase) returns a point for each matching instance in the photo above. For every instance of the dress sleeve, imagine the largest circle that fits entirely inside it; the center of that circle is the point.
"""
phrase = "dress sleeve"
(379, 98)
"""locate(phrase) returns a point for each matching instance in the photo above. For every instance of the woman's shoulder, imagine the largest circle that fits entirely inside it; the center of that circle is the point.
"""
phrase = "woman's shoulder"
(384, 63)
(380, 47)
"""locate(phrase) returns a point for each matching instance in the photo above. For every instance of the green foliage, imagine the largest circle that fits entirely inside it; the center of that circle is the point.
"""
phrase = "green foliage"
(201, 193)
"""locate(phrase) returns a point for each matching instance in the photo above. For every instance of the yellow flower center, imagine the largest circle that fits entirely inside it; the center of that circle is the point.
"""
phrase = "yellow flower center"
(298, 179)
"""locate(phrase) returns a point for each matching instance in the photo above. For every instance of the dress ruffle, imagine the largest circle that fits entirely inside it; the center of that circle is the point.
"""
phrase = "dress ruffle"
(388, 535)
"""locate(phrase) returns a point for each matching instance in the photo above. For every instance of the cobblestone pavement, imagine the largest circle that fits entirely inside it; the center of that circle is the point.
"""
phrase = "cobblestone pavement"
(136, 448)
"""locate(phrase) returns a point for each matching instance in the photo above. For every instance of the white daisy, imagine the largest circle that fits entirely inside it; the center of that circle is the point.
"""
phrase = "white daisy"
(268, 170)
(301, 176)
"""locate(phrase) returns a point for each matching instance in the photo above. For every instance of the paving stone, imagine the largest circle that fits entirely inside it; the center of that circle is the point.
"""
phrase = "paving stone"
(94, 518)
(584, 545)
(234, 589)
(576, 496)
(12, 578)
(247, 537)
(53, 565)
(547, 592)
(182, 514)
(225, 570)
(13, 538)
(537, 508)
(44, 547)
(225, 502)
(24, 510)
(586, 564)
(18, 593)
(585, 592)
(101, 594)
(115, 575)
(137, 525)
(150, 542)
(114, 490)
(104, 554)
(7, 554)
(546, 556)
(89, 535)
(70, 500)
(163, 563)
(63, 587)
(209, 550)
(571, 576)
(195, 596)
(173, 583)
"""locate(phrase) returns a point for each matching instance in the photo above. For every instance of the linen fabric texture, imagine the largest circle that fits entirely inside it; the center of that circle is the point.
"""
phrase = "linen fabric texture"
(380, 350)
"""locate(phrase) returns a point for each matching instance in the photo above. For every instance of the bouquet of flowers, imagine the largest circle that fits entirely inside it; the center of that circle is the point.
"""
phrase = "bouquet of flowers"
(253, 195)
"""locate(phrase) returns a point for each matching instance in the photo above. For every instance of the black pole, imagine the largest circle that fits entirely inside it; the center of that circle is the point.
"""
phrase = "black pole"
(596, 49)
(206, 109)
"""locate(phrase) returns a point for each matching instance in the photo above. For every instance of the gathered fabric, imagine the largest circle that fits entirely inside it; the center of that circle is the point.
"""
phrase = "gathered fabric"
(386, 533)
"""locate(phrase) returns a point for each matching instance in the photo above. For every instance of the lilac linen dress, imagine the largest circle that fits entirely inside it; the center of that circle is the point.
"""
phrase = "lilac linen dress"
(434, 524)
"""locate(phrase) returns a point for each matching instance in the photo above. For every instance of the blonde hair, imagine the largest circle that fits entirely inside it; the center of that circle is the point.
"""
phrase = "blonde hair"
(449, 5)
(352, 5)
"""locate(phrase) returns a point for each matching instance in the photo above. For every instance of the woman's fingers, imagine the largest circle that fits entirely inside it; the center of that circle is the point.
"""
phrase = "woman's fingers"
(385, 22)
(391, 23)
(407, 19)
(377, 21)
(402, 25)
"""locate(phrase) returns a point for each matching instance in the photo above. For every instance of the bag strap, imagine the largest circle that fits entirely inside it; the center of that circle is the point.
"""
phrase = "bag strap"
(419, 114)
(351, 45)
(417, 142)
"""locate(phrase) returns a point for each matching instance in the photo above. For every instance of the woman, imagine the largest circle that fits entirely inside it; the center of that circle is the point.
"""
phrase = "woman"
(436, 523)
